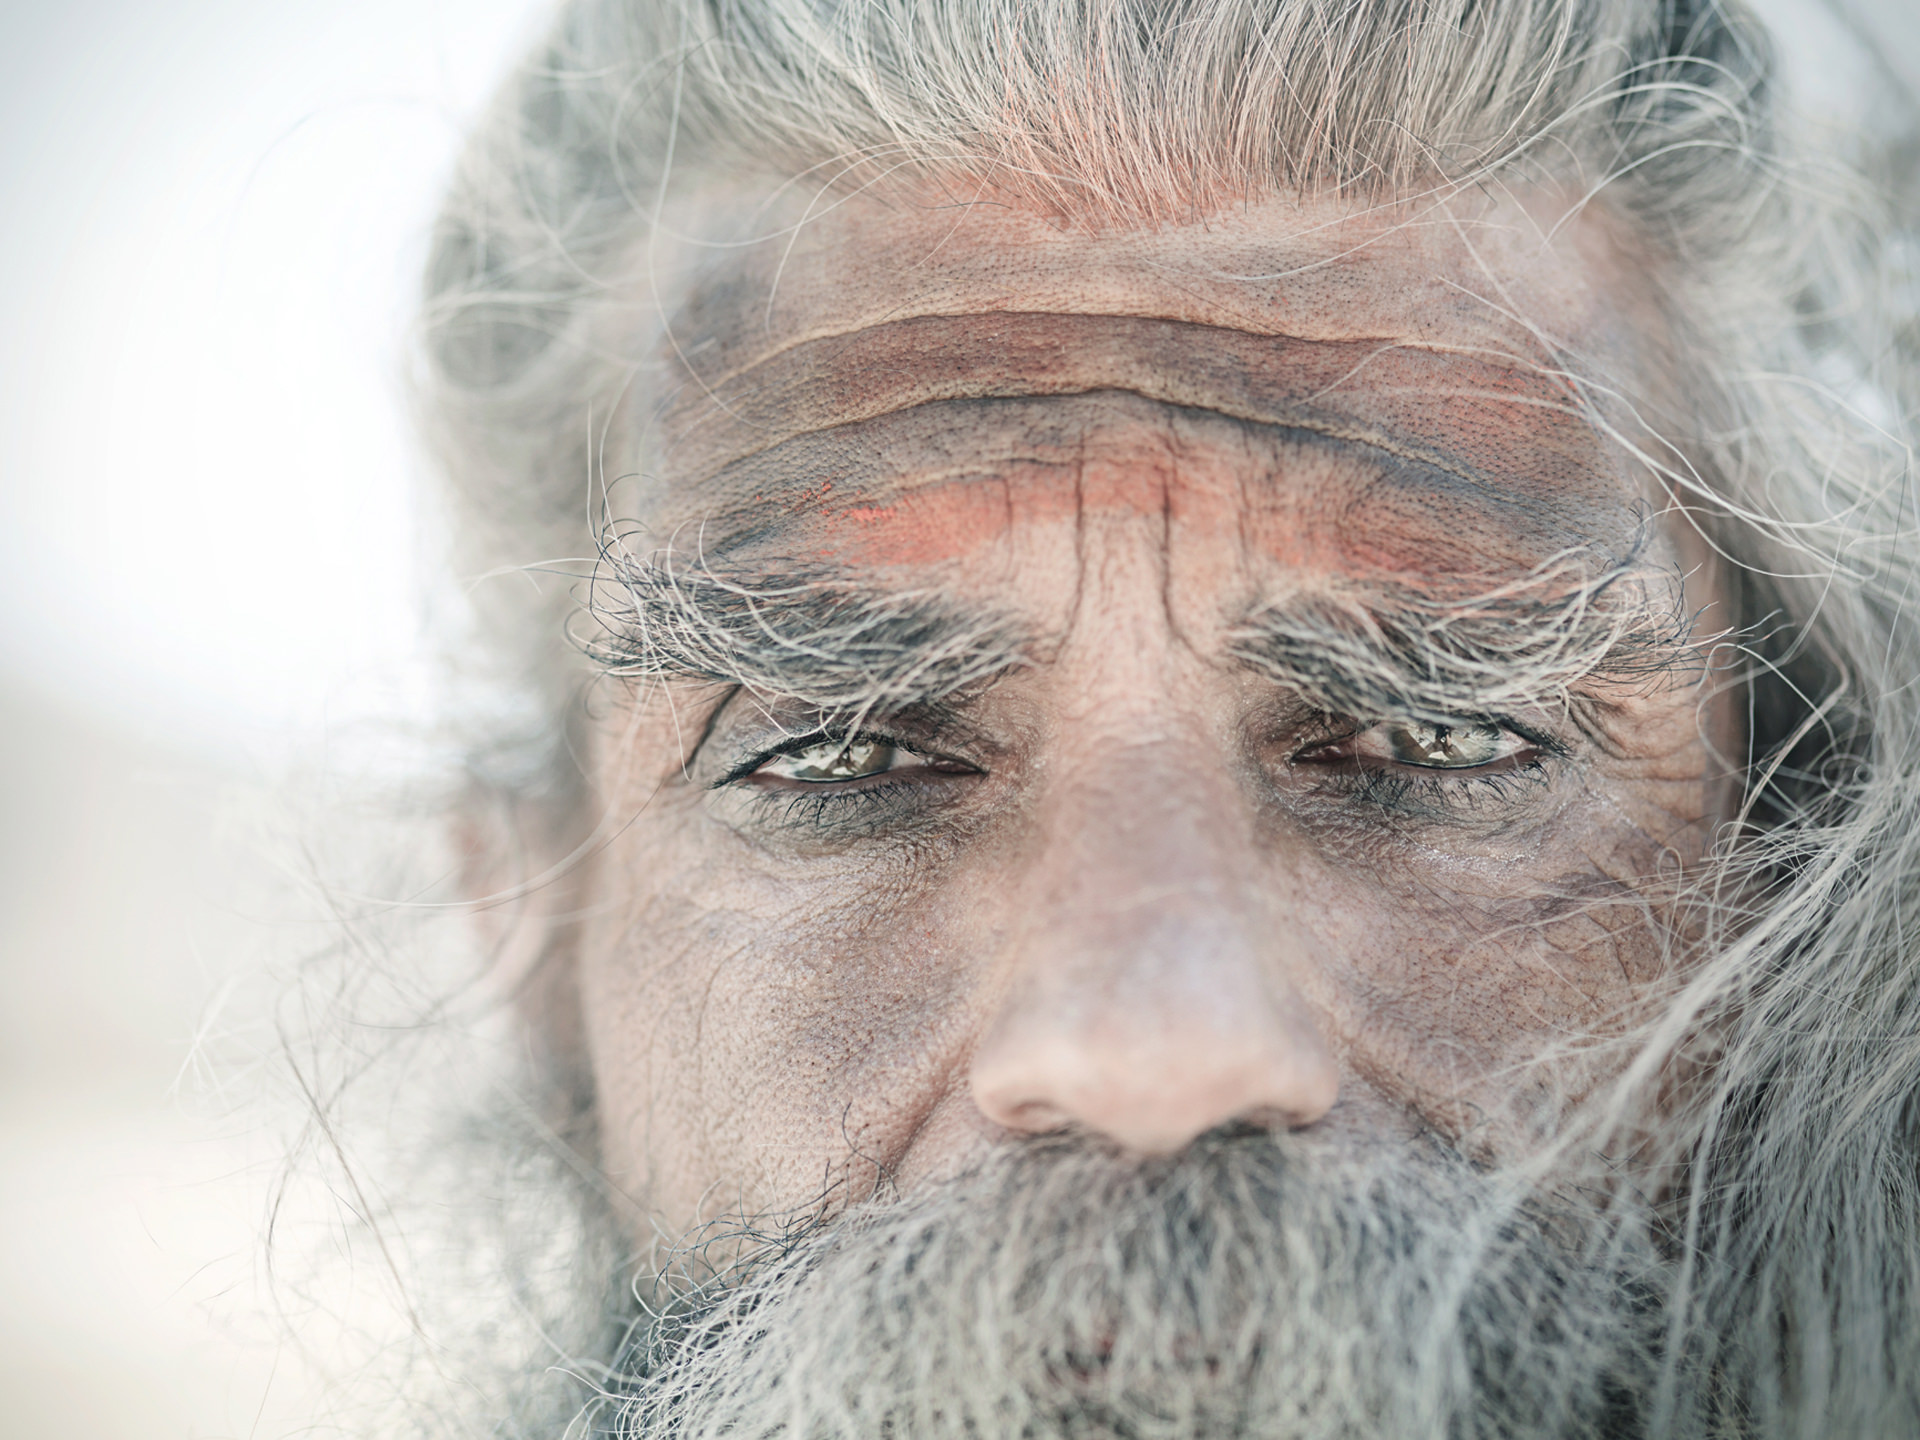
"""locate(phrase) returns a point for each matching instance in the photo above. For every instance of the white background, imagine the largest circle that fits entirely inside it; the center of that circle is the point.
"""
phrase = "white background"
(212, 219)
(212, 222)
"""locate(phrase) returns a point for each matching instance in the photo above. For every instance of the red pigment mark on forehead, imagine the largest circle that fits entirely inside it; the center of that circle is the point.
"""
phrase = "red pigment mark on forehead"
(1131, 477)
(942, 484)
(945, 521)
(1303, 510)
(1124, 468)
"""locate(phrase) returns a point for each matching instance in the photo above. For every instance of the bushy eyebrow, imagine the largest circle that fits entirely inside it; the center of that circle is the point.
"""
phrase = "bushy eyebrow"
(827, 641)
(1577, 624)
(794, 633)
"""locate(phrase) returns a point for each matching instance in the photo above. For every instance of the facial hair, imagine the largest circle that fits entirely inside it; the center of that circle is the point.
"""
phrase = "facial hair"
(1257, 1285)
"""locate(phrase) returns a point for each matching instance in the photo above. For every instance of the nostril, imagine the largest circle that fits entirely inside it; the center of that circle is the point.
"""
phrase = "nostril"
(1152, 1086)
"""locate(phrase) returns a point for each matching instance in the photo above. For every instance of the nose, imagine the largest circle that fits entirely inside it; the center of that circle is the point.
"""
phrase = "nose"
(1151, 995)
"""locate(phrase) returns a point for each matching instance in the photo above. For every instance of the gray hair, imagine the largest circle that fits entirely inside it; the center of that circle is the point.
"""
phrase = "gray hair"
(1782, 282)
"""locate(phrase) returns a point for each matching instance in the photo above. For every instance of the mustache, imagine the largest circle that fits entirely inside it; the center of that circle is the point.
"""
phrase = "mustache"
(1258, 1283)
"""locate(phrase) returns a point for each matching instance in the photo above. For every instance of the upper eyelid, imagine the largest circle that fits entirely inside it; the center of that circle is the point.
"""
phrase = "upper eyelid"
(793, 745)
(937, 729)
(797, 743)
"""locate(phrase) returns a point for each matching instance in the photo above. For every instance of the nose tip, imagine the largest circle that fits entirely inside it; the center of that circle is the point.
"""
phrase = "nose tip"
(1154, 1070)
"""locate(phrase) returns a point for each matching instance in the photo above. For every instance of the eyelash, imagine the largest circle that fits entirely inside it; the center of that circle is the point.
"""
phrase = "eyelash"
(1438, 795)
(820, 806)
(823, 804)
(747, 768)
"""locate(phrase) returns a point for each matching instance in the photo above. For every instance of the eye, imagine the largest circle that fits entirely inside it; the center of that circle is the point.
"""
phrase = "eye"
(830, 761)
(1466, 746)
(1439, 747)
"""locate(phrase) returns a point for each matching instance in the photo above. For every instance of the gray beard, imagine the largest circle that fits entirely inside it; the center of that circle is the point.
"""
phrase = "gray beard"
(1256, 1285)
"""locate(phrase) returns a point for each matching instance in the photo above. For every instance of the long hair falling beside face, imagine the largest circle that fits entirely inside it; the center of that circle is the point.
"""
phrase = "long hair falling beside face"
(1786, 1061)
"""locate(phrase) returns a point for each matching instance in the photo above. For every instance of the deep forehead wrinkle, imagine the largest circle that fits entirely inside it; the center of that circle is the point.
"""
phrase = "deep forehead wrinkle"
(1479, 418)
(1281, 266)
(956, 480)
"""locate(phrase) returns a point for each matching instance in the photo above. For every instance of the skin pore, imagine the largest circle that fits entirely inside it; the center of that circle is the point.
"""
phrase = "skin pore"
(1157, 864)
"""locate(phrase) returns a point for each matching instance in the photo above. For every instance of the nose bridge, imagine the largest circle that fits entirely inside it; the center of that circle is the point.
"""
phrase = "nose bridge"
(1148, 995)
(1133, 837)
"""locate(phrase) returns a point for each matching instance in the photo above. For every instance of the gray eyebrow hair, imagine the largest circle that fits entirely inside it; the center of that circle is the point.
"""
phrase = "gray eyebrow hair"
(804, 635)
(1578, 624)
(824, 640)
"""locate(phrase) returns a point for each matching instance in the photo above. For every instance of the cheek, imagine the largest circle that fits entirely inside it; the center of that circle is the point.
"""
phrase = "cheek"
(783, 1033)
(775, 1030)
(1462, 977)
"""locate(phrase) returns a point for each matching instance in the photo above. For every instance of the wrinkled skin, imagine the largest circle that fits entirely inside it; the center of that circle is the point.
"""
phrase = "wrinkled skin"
(1132, 886)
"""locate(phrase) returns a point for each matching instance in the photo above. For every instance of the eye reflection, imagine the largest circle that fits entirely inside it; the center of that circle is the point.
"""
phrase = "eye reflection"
(1413, 745)
(1437, 747)
(833, 760)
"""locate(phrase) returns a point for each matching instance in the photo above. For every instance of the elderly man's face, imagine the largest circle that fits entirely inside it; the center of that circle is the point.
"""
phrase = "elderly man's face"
(1144, 823)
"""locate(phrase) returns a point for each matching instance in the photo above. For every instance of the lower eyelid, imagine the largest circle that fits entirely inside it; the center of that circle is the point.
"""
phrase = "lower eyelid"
(1462, 784)
(1435, 790)
(1525, 756)
(853, 782)
(884, 802)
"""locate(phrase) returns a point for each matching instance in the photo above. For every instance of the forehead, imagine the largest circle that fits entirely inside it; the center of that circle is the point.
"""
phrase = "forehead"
(898, 380)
